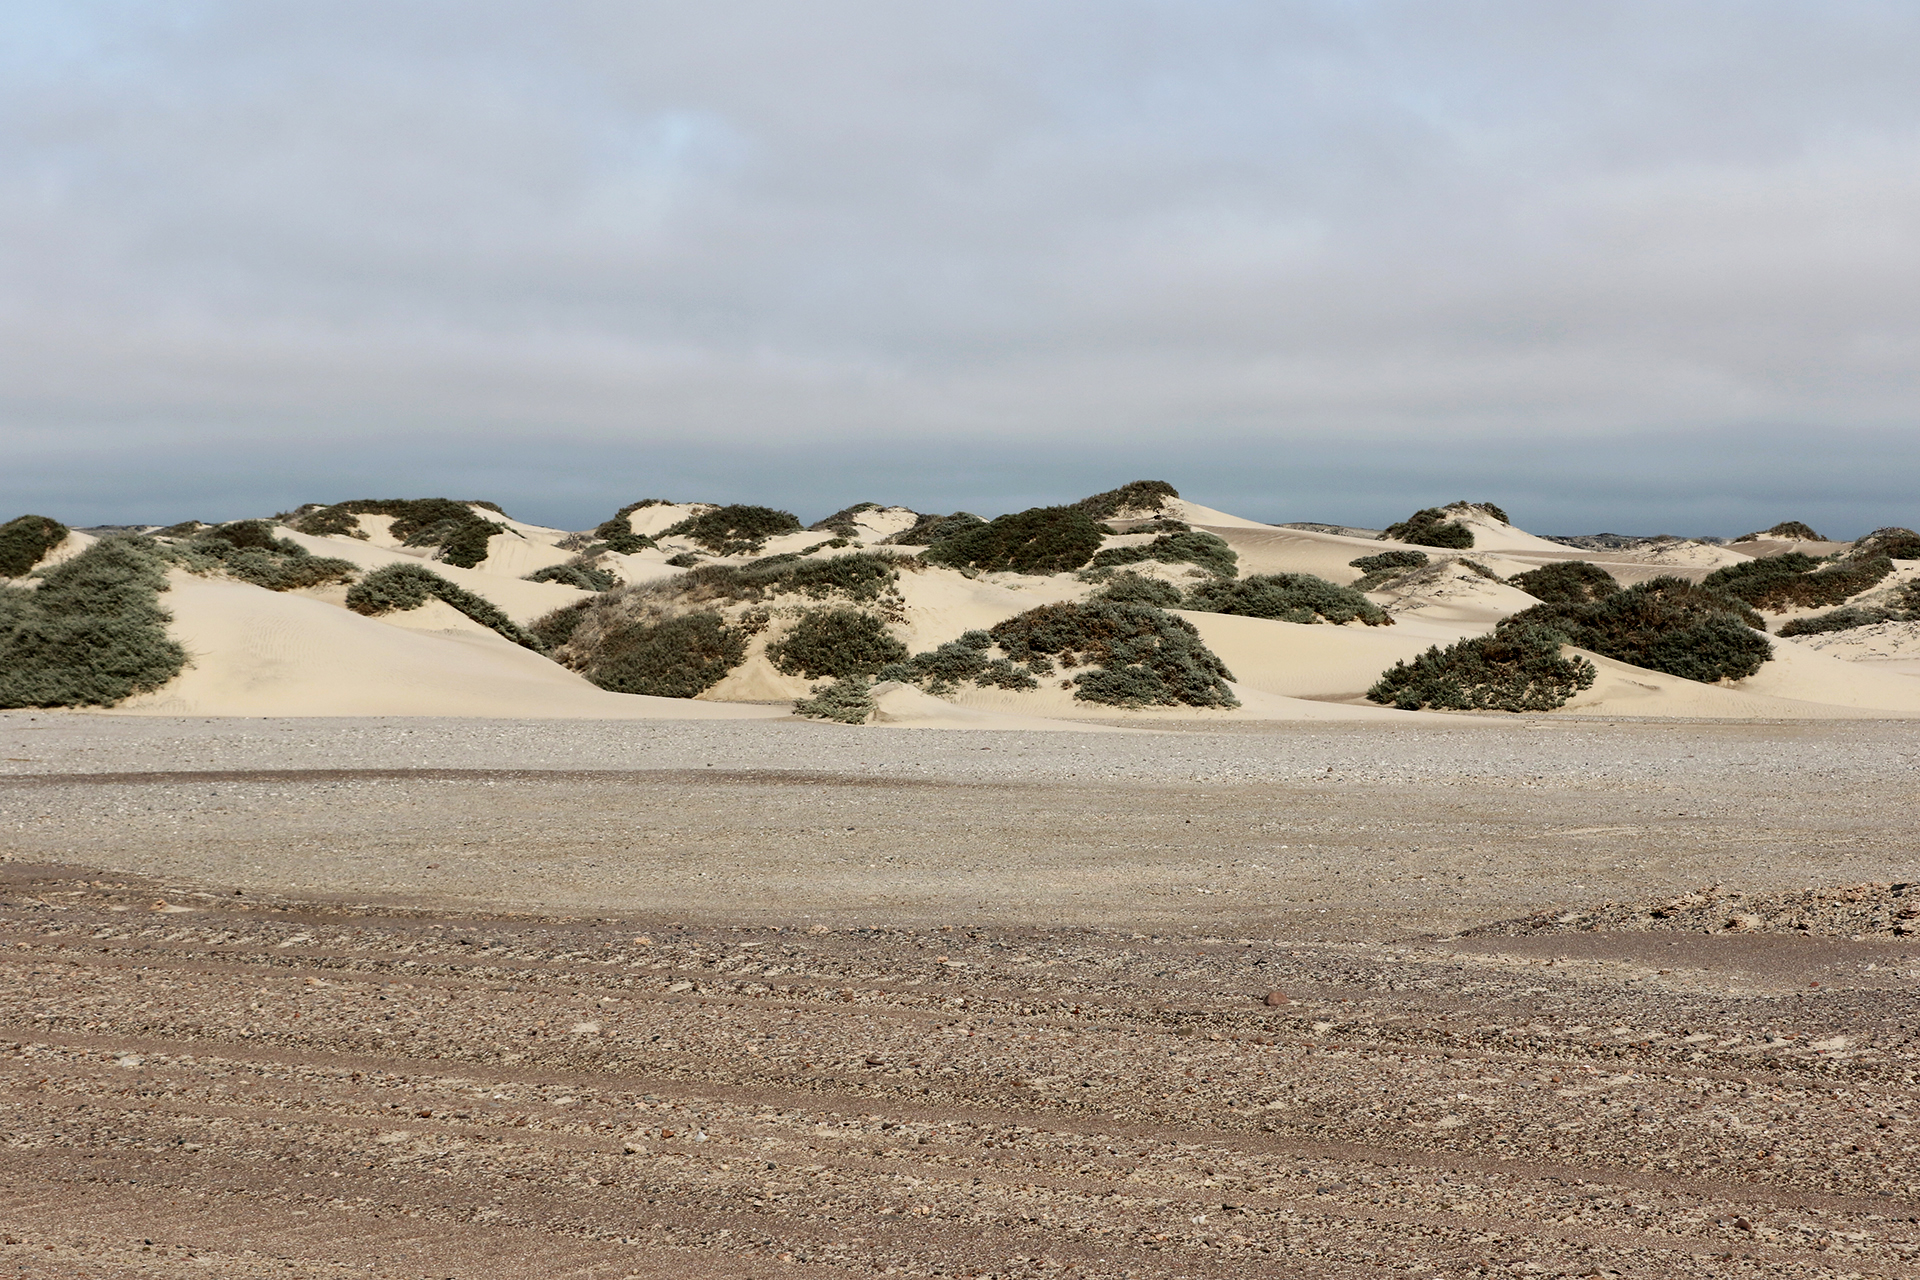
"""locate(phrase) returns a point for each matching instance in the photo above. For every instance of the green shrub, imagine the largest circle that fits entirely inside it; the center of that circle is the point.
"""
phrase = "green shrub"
(1204, 549)
(734, 530)
(676, 657)
(1793, 529)
(850, 701)
(927, 531)
(614, 535)
(1288, 597)
(399, 587)
(1430, 527)
(685, 560)
(1794, 580)
(1566, 582)
(249, 550)
(1667, 624)
(1140, 495)
(1893, 542)
(1845, 618)
(555, 629)
(25, 541)
(841, 522)
(837, 642)
(92, 634)
(1144, 656)
(1039, 540)
(1134, 588)
(585, 577)
(185, 529)
(1514, 669)
(1387, 561)
(417, 522)
(968, 660)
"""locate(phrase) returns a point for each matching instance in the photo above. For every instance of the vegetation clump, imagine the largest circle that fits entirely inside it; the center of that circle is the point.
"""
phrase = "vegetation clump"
(1204, 549)
(841, 522)
(1440, 527)
(1667, 624)
(1892, 542)
(1039, 540)
(92, 633)
(1786, 529)
(451, 526)
(1902, 606)
(968, 660)
(1142, 656)
(250, 551)
(1287, 597)
(1388, 561)
(1794, 580)
(1566, 582)
(838, 642)
(1128, 587)
(25, 541)
(399, 587)
(1141, 497)
(849, 701)
(1514, 669)
(583, 576)
(734, 530)
(681, 656)
(928, 530)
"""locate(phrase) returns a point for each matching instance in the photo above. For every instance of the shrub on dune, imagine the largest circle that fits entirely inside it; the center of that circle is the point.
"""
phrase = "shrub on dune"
(1514, 669)
(1893, 542)
(1142, 656)
(1792, 530)
(675, 657)
(1287, 597)
(399, 587)
(1140, 497)
(250, 551)
(1440, 527)
(25, 541)
(1667, 624)
(445, 523)
(734, 530)
(1190, 547)
(930, 530)
(1389, 560)
(585, 577)
(849, 701)
(1799, 581)
(1566, 582)
(838, 642)
(92, 634)
(1040, 540)
(1135, 588)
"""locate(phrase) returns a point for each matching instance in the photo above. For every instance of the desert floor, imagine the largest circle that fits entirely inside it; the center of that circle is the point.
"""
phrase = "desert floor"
(456, 998)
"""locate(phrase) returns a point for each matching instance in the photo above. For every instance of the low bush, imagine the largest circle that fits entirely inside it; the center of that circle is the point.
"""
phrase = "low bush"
(676, 657)
(1566, 582)
(1287, 597)
(417, 522)
(250, 551)
(968, 660)
(841, 522)
(1143, 656)
(1667, 624)
(25, 541)
(1786, 529)
(734, 530)
(1799, 581)
(1040, 540)
(838, 642)
(927, 531)
(1204, 549)
(849, 701)
(583, 576)
(615, 536)
(1134, 588)
(399, 587)
(1140, 497)
(92, 633)
(1388, 561)
(685, 560)
(1845, 618)
(1893, 542)
(555, 629)
(1514, 669)
(1430, 527)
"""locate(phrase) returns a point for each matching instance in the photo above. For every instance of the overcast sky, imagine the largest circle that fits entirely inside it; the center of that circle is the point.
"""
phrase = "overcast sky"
(1643, 267)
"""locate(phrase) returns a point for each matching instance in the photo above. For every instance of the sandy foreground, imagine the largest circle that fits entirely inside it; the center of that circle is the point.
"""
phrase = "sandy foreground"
(503, 998)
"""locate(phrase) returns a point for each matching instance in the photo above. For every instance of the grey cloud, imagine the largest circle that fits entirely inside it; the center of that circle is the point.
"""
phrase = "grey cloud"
(828, 248)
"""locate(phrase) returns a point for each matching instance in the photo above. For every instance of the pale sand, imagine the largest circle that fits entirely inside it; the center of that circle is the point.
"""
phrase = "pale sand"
(522, 601)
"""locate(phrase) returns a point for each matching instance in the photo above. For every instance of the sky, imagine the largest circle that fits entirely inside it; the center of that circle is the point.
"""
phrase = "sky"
(1635, 267)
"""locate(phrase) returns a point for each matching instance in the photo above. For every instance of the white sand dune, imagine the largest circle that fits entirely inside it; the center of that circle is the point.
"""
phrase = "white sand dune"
(1623, 690)
(1296, 660)
(521, 601)
(1195, 514)
(261, 653)
(1263, 549)
(1812, 676)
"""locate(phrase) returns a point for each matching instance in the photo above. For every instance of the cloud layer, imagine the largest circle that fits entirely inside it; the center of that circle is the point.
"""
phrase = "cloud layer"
(1316, 259)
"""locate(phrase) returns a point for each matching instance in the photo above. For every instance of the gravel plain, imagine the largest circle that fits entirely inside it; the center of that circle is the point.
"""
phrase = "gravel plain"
(491, 999)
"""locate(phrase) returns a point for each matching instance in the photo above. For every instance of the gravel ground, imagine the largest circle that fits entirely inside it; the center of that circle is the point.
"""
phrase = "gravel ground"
(479, 999)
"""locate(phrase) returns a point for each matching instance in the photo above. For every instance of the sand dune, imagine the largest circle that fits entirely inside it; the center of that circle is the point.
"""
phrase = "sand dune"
(522, 601)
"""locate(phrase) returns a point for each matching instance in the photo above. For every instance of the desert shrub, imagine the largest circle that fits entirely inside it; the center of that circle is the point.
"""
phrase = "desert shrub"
(555, 629)
(1514, 669)
(25, 541)
(614, 535)
(1387, 561)
(250, 551)
(1139, 496)
(1204, 549)
(1845, 618)
(417, 522)
(1668, 624)
(850, 701)
(1135, 588)
(835, 642)
(841, 522)
(1566, 582)
(92, 634)
(1430, 527)
(862, 576)
(1793, 529)
(1288, 597)
(185, 529)
(399, 587)
(585, 577)
(1143, 656)
(734, 530)
(676, 657)
(1039, 540)
(1893, 542)
(685, 560)
(929, 530)
(967, 660)
(1794, 580)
